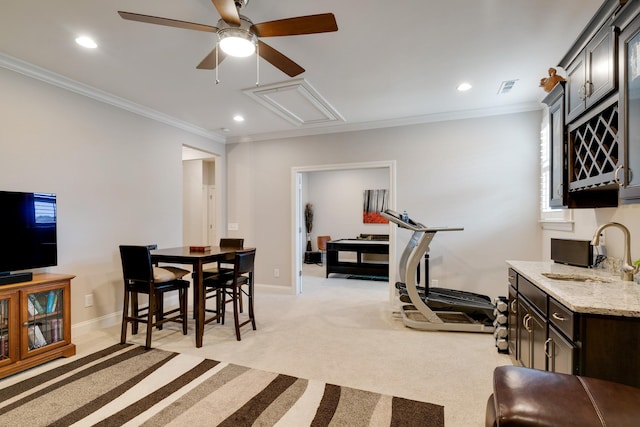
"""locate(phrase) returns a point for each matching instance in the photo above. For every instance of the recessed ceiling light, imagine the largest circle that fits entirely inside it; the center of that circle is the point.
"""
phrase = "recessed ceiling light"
(463, 87)
(87, 42)
(238, 118)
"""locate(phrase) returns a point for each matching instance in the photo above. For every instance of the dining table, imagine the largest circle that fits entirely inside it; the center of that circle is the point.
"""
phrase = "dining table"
(197, 258)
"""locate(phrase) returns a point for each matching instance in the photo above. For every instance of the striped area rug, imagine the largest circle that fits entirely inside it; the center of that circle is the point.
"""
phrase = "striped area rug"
(125, 385)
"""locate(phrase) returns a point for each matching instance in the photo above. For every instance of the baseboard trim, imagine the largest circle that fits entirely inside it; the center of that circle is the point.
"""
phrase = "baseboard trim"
(96, 324)
(274, 289)
(115, 318)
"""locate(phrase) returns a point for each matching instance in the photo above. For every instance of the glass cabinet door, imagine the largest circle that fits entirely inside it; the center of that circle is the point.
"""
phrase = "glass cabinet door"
(557, 185)
(45, 318)
(629, 172)
(8, 328)
(5, 339)
(557, 151)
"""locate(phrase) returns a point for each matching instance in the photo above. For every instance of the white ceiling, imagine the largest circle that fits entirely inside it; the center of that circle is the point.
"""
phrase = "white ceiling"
(390, 62)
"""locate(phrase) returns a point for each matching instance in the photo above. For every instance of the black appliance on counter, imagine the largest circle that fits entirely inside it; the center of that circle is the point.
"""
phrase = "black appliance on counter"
(572, 252)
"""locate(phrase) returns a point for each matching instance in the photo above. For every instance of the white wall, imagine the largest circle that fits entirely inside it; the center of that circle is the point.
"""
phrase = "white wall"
(481, 174)
(586, 221)
(337, 199)
(117, 175)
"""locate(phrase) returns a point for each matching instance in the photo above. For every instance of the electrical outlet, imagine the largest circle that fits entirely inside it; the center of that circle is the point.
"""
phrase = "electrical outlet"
(276, 272)
(88, 300)
(434, 283)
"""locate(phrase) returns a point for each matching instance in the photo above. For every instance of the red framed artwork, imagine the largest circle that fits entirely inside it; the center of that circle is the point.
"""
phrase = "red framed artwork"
(375, 202)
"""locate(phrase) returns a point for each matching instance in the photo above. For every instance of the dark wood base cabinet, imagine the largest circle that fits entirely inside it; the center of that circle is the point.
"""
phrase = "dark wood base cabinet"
(512, 322)
(561, 353)
(531, 336)
(549, 336)
(613, 345)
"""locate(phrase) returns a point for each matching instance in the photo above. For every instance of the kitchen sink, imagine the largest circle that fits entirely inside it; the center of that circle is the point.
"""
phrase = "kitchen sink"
(577, 277)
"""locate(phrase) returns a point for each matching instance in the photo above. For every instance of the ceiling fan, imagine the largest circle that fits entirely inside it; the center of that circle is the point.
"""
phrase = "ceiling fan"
(237, 30)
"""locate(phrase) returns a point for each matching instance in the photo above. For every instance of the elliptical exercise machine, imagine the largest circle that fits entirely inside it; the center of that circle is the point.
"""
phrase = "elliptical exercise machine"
(436, 309)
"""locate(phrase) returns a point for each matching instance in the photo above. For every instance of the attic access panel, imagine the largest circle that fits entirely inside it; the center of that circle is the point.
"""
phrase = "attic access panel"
(296, 101)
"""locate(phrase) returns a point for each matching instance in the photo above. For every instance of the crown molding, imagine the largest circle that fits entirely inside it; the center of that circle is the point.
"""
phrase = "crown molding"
(379, 124)
(55, 79)
(44, 75)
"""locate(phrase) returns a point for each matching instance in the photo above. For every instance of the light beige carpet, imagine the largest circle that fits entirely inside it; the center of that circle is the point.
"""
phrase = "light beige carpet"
(128, 385)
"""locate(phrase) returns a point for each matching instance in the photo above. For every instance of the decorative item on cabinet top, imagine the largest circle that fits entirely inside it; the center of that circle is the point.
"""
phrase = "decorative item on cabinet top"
(548, 83)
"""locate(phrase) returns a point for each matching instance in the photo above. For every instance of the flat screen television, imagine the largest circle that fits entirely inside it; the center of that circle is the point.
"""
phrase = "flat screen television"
(28, 237)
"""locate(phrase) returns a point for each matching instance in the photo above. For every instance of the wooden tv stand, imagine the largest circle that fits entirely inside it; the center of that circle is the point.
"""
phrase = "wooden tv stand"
(35, 322)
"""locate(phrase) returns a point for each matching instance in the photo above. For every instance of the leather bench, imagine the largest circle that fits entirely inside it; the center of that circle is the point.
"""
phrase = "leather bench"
(530, 397)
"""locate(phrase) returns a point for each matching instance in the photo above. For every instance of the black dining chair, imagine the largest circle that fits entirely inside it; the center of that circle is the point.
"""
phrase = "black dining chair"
(235, 284)
(225, 265)
(142, 277)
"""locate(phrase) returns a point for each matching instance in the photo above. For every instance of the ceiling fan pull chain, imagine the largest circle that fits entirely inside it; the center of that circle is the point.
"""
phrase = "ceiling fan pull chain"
(217, 63)
(257, 64)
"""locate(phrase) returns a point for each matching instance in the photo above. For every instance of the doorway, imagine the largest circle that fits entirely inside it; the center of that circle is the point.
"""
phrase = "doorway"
(299, 197)
(201, 207)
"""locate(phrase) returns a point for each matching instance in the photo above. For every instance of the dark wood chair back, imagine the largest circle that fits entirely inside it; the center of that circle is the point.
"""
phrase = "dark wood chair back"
(231, 243)
(225, 264)
(234, 284)
(136, 264)
(244, 262)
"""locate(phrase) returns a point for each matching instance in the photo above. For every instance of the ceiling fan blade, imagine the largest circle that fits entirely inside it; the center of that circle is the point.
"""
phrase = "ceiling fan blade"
(310, 24)
(209, 61)
(166, 21)
(228, 12)
(278, 60)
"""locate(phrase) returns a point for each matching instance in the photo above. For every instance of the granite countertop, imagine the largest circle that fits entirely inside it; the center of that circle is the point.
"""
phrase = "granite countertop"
(605, 294)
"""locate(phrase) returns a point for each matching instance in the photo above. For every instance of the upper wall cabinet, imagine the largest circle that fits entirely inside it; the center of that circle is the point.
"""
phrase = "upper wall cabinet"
(592, 74)
(601, 132)
(592, 142)
(583, 156)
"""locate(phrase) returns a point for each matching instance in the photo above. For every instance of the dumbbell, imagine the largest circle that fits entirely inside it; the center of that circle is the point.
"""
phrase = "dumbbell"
(500, 332)
(501, 305)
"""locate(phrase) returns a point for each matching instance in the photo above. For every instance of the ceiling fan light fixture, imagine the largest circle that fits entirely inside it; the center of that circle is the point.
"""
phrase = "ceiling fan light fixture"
(237, 42)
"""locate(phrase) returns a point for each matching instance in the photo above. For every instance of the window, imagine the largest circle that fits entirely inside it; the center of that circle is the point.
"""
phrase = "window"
(556, 219)
(45, 208)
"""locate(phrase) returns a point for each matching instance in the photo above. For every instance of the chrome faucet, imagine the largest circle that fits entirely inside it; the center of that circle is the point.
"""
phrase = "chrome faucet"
(628, 270)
